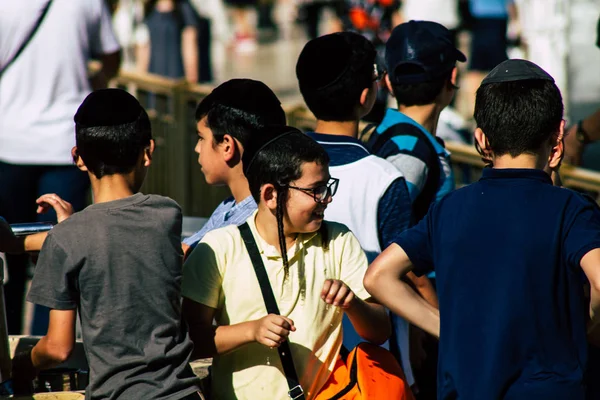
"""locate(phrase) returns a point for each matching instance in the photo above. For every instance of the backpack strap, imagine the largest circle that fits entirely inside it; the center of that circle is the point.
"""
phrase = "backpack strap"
(285, 353)
(377, 144)
(28, 38)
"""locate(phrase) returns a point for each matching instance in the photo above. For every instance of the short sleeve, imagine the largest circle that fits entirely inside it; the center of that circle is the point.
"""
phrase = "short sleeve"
(103, 39)
(54, 283)
(354, 265)
(583, 234)
(416, 242)
(188, 15)
(202, 273)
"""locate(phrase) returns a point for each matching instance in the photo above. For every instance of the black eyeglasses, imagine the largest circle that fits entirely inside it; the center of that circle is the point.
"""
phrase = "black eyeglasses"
(322, 192)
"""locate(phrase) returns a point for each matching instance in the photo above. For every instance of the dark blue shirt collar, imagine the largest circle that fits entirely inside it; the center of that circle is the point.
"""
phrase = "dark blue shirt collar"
(341, 149)
(516, 173)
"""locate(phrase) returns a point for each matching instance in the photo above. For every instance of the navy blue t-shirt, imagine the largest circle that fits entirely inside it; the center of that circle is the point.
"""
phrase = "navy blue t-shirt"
(506, 252)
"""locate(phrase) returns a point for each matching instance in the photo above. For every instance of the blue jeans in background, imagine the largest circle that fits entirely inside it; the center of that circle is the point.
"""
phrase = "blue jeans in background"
(20, 186)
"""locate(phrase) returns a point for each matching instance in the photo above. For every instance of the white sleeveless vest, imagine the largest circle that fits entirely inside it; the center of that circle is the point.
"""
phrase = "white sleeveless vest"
(362, 185)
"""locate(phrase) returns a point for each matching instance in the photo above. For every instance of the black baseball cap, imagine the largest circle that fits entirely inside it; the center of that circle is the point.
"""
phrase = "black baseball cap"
(425, 44)
(516, 70)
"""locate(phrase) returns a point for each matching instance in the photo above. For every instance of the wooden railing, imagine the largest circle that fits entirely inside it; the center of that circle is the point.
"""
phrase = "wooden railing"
(175, 171)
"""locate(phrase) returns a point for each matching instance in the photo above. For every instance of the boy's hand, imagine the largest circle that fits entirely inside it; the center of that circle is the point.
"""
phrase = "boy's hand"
(63, 208)
(9, 243)
(337, 293)
(272, 330)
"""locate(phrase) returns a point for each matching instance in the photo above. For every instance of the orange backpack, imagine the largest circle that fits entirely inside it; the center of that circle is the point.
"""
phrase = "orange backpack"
(370, 372)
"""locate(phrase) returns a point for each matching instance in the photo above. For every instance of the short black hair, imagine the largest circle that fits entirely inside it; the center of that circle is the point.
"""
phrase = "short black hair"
(116, 149)
(518, 117)
(332, 72)
(418, 94)
(240, 108)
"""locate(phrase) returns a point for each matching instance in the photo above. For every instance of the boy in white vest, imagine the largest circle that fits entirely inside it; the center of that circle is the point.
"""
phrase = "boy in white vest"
(338, 79)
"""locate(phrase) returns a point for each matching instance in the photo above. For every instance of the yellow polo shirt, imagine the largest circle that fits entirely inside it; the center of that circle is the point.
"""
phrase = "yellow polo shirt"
(219, 274)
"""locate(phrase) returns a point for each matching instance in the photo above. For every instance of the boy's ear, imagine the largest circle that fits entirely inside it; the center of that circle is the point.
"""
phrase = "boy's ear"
(77, 159)
(482, 144)
(230, 148)
(268, 195)
(454, 77)
(388, 84)
(148, 151)
(558, 147)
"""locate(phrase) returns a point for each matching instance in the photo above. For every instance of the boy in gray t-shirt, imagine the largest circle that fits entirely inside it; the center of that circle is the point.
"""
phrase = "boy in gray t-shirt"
(118, 262)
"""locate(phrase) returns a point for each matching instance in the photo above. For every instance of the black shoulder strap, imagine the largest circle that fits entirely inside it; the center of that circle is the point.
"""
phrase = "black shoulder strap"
(28, 38)
(285, 353)
(429, 192)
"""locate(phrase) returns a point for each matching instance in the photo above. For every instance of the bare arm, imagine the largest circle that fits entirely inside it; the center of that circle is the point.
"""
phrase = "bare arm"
(57, 345)
(210, 340)
(368, 318)
(424, 287)
(573, 147)
(110, 67)
(383, 281)
(189, 51)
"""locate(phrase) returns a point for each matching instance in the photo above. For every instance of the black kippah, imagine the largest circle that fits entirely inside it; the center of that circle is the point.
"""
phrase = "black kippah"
(268, 135)
(516, 70)
(251, 96)
(108, 107)
(326, 59)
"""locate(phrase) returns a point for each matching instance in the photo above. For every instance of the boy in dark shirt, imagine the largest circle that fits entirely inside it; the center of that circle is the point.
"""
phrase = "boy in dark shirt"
(118, 263)
(508, 253)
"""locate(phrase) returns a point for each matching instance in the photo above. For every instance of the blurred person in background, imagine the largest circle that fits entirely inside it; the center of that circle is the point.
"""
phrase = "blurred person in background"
(41, 87)
(244, 31)
(170, 48)
(489, 27)
(374, 19)
(444, 12)
(311, 12)
(267, 28)
(583, 132)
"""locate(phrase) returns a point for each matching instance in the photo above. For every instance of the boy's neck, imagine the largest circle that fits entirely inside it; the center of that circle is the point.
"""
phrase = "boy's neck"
(112, 187)
(427, 116)
(522, 161)
(344, 128)
(238, 184)
(266, 225)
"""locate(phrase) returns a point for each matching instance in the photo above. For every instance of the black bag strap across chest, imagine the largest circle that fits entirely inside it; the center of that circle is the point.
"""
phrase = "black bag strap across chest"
(295, 392)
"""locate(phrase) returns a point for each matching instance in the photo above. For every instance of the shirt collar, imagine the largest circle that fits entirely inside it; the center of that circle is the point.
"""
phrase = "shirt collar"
(341, 149)
(516, 173)
(271, 251)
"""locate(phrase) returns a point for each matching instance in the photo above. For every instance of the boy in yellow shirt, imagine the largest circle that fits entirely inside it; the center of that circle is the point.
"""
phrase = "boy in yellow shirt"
(315, 269)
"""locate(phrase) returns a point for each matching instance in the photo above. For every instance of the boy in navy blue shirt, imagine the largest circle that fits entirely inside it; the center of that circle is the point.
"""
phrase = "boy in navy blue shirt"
(508, 253)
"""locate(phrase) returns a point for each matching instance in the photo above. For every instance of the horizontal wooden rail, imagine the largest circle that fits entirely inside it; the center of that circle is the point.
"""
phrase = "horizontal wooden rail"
(175, 172)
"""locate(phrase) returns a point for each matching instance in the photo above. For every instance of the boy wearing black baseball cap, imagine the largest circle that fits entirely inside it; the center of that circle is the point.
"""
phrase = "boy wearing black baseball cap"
(118, 263)
(421, 74)
(508, 252)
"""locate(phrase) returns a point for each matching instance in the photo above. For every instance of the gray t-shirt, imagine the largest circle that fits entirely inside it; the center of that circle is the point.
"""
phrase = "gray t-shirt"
(120, 262)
